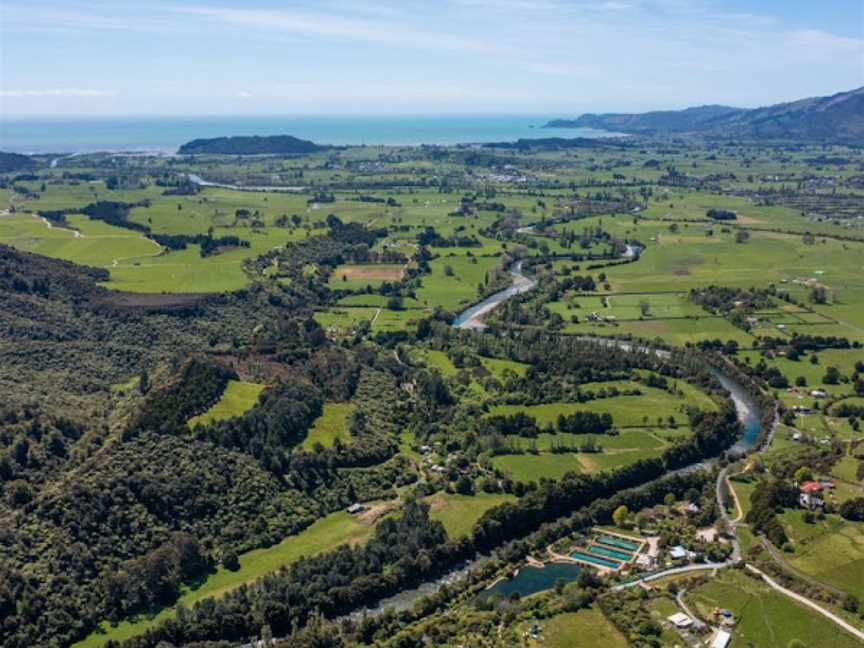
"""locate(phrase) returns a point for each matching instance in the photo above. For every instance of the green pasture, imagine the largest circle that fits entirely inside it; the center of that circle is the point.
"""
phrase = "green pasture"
(342, 320)
(527, 468)
(331, 425)
(587, 628)
(82, 241)
(324, 535)
(458, 513)
(629, 306)
(459, 290)
(672, 331)
(830, 550)
(237, 399)
(766, 619)
(626, 411)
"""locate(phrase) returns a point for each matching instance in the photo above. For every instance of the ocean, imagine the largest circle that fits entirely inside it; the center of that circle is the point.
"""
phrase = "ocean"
(166, 134)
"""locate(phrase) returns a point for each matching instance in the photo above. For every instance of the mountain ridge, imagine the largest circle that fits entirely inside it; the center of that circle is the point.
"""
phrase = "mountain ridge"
(838, 117)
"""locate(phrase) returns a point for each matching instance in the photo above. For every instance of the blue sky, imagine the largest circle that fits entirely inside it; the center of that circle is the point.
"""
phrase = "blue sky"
(196, 57)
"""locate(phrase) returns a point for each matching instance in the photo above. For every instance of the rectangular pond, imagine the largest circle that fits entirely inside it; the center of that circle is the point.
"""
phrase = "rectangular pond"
(618, 542)
(610, 553)
(596, 560)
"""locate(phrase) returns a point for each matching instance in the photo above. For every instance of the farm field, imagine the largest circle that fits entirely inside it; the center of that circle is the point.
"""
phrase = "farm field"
(239, 397)
(831, 550)
(583, 629)
(766, 618)
(343, 320)
(629, 306)
(324, 535)
(90, 242)
(353, 277)
(457, 290)
(331, 425)
(674, 331)
(458, 513)
(651, 406)
(527, 468)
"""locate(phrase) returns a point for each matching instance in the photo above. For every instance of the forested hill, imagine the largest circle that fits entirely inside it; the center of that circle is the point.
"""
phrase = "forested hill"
(15, 162)
(252, 145)
(836, 118)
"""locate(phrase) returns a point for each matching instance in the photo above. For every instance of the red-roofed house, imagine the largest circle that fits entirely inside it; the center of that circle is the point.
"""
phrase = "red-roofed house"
(811, 487)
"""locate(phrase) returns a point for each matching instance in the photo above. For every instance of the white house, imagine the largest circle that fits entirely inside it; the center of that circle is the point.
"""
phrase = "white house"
(680, 620)
(721, 639)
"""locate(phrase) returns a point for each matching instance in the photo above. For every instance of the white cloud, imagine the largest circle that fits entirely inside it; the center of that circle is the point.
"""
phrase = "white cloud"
(58, 92)
(244, 95)
(813, 44)
(337, 26)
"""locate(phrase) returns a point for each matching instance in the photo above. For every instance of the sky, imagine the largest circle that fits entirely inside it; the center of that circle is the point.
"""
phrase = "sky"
(540, 57)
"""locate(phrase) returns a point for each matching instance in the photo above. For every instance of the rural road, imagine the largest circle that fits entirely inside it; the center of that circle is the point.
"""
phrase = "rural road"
(855, 632)
(673, 572)
(722, 478)
(679, 597)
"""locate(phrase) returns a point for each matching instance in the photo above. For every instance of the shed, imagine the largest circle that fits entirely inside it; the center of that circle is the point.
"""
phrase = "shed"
(721, 639)
(680, 620)
(678, 553)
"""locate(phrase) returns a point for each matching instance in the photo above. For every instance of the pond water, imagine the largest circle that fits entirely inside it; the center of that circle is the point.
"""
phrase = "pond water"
(531, 580)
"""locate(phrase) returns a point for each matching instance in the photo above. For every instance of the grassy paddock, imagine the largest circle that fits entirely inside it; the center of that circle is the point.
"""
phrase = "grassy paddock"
(586, 628)
(767, 619)
(331, 425)
(324, 535)
(352, 277)
(458, 513)
(237, 399)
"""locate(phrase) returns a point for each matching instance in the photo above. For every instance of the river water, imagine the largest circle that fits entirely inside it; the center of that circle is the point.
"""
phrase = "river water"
(472, 318)
(530, 579)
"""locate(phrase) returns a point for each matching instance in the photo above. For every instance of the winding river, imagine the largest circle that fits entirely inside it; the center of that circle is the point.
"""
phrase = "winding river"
(530, 580)
(201, 182)
(472, 318)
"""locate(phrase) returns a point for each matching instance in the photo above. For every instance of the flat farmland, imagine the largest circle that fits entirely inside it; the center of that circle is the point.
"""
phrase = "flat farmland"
(766, 619)
(457, 288)
(353, 277)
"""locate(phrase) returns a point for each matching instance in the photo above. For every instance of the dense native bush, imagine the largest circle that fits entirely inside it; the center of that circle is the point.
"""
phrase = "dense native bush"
(198, 387)
(279, 421)
(853, 509)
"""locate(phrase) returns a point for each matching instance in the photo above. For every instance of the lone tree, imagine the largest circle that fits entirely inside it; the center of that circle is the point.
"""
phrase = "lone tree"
(619, 517)
(644, 308)
(230, 560)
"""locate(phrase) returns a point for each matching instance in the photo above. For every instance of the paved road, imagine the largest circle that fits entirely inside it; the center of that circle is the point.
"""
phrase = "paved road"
(673, 572)
(679, 597)
(855, 632)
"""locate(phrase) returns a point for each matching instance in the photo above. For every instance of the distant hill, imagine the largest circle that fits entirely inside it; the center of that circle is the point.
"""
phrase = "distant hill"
(839, 117)
(15, 162)
(252, 145)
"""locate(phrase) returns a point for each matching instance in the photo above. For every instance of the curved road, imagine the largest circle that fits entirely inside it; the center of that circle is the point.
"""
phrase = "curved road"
(805, 601)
